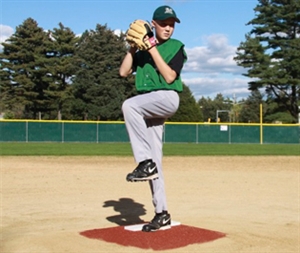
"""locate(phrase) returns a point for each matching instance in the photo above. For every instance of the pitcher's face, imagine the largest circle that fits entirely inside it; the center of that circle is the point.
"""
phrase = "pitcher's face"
(164, 28)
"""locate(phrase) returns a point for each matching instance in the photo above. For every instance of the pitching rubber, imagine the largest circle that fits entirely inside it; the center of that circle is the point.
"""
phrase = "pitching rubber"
(139, 227)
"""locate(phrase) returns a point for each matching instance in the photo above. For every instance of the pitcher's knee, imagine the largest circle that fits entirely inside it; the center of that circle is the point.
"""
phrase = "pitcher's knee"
(128, 107)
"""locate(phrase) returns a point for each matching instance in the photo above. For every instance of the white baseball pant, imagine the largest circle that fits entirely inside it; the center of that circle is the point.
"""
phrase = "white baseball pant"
(144, 116)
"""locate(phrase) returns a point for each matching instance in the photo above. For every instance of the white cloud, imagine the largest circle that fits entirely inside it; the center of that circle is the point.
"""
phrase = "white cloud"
(5, 33)
(216, 56)
(209, 86)
(118, 32)
(211, 69)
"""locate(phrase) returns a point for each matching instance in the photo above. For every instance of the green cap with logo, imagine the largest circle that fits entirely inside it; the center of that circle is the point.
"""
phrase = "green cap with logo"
(164, 12)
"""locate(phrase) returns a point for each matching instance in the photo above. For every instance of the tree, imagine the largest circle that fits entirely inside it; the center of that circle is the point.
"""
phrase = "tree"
(250, 110)
(275, 111)
(61, 55)
(36, 71)
(210, 107)
(98, 89)
(188, 110)
(23, 71)
(271, 52)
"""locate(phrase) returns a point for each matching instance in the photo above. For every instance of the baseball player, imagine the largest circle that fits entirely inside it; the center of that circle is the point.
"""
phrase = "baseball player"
(157, 61)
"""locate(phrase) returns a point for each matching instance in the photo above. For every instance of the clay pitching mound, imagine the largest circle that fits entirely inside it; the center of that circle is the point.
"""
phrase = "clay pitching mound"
(173, 238)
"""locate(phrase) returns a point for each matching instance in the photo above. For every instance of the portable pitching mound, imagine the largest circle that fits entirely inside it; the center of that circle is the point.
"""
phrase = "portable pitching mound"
(171, 237)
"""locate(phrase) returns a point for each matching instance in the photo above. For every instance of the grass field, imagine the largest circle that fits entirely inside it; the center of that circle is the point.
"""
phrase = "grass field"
(124, 149)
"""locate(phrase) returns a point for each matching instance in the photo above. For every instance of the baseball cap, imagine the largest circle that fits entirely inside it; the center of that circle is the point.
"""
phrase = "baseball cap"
(165, 12)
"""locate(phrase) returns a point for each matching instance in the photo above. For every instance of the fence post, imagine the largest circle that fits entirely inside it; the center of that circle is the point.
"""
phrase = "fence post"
(197, 130)
(26, 134)
(97, 131)
(229, 132)
(62, 132)
(261, 123)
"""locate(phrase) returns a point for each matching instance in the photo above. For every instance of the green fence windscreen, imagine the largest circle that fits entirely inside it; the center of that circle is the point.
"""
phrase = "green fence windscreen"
(69, 131)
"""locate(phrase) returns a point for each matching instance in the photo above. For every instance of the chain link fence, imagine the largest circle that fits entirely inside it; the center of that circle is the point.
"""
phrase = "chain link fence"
(91, 131)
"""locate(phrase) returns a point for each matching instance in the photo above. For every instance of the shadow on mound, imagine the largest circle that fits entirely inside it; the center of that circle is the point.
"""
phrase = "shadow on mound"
(130, 211)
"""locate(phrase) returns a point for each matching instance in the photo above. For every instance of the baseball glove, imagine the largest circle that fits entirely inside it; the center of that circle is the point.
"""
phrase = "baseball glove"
(140, 35)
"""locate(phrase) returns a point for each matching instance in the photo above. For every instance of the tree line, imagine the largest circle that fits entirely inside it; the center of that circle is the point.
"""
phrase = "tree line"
(57, 75)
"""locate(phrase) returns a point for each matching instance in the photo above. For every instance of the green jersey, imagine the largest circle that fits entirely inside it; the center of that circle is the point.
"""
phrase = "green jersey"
(148, 77)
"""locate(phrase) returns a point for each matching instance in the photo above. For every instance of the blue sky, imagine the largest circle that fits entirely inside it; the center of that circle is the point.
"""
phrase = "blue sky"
(211, 31)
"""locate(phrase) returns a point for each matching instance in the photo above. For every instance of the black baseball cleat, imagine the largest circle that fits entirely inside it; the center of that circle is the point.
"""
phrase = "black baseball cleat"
(146, 170)
(160, 220)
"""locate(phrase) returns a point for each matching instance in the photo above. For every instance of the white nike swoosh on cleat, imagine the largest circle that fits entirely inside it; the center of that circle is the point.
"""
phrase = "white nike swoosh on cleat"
(152, 169)
(165, 220)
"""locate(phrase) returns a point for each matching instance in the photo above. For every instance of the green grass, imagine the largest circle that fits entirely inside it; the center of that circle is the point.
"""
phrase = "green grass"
(124, 149)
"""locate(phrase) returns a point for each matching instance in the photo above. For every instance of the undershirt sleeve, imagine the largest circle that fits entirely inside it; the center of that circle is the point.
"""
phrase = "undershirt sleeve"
(177, 61)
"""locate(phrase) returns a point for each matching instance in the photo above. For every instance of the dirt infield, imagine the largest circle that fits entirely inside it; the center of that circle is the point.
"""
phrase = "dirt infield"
(46, 202)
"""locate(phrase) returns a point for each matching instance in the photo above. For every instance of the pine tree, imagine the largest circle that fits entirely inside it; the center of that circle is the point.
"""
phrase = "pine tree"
(188, 110)
(99, 91)
(250, 111)
(210, 107)
(62, 59)
(23, 72)
(271, 52)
